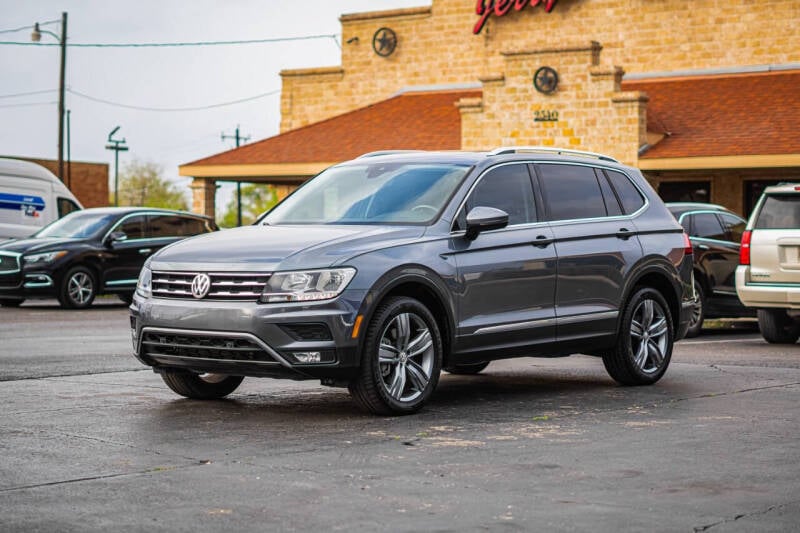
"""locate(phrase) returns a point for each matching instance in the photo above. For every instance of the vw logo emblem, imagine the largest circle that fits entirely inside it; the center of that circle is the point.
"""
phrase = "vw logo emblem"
(200, 285)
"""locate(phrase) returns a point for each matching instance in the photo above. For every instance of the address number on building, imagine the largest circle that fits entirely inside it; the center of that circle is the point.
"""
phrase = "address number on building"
(545, 115)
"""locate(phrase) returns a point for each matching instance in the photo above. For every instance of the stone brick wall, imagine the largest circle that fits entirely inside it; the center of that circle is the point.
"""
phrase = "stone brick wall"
(436, 46)
(89, 181)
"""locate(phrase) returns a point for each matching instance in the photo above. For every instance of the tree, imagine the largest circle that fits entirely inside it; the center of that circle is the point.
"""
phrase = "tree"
(256, 199)
(141, 184)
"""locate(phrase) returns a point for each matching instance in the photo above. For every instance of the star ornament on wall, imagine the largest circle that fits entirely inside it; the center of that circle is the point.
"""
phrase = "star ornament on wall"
(545, 80)
(384, 42)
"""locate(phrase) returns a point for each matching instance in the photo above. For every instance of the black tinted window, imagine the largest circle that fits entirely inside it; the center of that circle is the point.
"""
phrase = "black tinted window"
(707, 226)
(507, 188)
(571, 192)
(133, 227)
(66, 206)
(779, 212)
(628, 194)
(734, 225)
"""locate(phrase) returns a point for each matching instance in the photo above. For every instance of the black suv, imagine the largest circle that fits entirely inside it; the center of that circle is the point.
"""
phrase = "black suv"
(716, 236)
(90, 252)
(382, 271)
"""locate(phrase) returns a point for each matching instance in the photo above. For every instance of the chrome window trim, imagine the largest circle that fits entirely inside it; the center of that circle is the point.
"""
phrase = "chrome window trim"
(241, 335)
(603, 167)
(630, 216)
(710, 212)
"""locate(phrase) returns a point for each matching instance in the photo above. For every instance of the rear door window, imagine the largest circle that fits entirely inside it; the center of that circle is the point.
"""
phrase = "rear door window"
(734, 226)
(571, 192)
(133, 227)
(779, 212)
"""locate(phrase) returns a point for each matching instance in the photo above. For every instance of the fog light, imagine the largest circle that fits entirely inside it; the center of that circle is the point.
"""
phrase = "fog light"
(307, 357)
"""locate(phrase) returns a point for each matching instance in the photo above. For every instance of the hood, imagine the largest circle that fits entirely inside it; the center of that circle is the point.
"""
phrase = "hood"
(272, 248)
(34, 245)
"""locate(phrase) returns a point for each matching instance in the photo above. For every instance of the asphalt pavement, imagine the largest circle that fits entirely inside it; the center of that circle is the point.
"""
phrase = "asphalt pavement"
(92, 441)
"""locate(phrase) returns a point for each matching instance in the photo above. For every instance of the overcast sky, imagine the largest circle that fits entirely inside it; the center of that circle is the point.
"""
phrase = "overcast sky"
(159, 77)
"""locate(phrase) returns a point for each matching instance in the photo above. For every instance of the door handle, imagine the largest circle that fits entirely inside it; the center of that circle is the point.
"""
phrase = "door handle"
(624, 234)
(542, 241)
(145, 251)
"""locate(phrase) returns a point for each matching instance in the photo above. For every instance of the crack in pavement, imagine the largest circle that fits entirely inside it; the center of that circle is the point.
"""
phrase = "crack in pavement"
(698, 529)
(72, 375)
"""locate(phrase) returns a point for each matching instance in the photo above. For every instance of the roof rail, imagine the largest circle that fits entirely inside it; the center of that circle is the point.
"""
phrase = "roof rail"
(549, 150)
(387, 152)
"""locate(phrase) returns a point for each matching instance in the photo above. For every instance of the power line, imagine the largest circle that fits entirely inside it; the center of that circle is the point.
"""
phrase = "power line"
(171, 109)
(32, 104)
(178, 44)
(30, 27)
(45, 91)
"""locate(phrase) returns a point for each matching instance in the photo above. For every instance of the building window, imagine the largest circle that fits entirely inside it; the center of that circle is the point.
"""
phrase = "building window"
(752, 192)
(685, 191)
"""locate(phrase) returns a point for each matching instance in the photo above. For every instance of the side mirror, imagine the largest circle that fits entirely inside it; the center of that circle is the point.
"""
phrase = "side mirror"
(117, 236)
(482, 218)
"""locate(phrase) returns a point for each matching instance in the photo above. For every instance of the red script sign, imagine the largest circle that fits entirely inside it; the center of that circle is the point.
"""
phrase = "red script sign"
(485, 8)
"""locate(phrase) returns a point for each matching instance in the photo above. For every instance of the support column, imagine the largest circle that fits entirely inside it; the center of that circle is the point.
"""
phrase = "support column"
(204, 192)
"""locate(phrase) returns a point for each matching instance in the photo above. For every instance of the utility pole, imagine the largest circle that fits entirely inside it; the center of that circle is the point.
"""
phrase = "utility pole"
(238, 140)
(118, 146)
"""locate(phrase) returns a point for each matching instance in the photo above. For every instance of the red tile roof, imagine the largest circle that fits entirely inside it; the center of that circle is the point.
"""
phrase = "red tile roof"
(724, 115)
(409, 121)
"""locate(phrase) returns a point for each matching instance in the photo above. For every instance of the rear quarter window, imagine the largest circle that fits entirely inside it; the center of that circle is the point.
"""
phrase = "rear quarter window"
(629, 196)
(779, 212)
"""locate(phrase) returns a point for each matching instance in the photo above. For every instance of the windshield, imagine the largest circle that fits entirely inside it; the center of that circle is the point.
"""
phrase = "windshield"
(372, 193)
(77, 225)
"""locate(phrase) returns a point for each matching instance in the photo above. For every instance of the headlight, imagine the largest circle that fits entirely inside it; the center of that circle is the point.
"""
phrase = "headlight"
(307, 286)
(144, 287)
(46, 257)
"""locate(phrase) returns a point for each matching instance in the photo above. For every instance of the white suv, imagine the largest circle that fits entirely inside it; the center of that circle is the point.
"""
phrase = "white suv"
(768, 276)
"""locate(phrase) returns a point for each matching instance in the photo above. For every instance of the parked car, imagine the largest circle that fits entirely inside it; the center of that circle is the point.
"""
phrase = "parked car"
(382, 271)
(31, 197)
(768, 278)
(90, 252)
(716, 234)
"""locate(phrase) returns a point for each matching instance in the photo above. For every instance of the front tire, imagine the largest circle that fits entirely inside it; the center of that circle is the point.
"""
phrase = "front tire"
(698, 311)
(777, 327)
(78, 288)
(201, 386)
(401, 359)
(644, 343)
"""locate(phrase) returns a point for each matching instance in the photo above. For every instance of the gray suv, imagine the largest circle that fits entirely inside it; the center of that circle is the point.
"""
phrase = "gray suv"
(382, 271)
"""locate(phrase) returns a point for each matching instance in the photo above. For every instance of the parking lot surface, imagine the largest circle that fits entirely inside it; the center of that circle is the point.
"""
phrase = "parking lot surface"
(92, 441)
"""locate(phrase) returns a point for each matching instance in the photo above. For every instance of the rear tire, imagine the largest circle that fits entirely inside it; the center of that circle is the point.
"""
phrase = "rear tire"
(467, 370)
(11, 302)
(698, 311)
(644, 342)
(201, 386)
(777, 327)
(401, 359)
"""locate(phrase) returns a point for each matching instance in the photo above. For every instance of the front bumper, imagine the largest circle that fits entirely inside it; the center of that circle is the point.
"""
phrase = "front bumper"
(247, 338)
(779, 295)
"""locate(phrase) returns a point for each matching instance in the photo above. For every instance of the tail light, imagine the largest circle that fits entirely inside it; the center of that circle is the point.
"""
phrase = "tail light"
(744, 251)
(687, 245)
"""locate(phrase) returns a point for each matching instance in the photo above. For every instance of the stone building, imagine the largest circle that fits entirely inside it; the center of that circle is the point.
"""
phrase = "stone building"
(702, 95)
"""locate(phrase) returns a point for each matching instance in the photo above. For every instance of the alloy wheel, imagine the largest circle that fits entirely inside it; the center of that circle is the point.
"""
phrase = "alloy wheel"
(406, 357)
(649, 336)
(80, 288)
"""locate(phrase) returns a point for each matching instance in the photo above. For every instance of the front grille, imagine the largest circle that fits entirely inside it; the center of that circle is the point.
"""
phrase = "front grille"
(9, 264)
(11, 280)
(224, 286)
(223, 348)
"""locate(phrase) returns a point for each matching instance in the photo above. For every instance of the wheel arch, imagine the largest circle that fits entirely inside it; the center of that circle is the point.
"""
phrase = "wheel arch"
(658, 276)
(424, 286)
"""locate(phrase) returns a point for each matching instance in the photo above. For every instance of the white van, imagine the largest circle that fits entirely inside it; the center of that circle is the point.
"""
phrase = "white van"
(31, 197)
